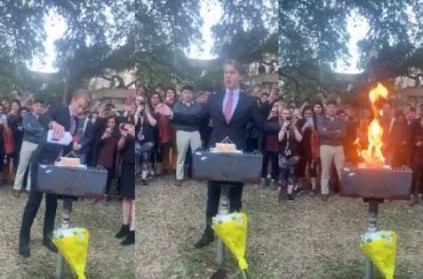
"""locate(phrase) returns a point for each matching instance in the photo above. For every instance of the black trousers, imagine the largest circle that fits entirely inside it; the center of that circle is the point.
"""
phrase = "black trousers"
(30, 212)
(417, 184)
(109, 179)
(214, 189)
(34, 200)
(252, 144)
(273, 158)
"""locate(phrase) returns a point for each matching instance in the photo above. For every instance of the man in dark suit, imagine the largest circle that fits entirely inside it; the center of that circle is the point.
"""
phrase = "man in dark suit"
(59, 119)
(230, 111)
(98, 128)
(84, 137)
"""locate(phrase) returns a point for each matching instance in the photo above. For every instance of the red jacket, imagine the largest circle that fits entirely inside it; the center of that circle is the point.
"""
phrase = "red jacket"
(9, 146)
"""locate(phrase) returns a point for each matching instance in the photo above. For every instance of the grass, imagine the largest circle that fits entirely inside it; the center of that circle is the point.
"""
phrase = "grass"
(310, 239)
(106, 259)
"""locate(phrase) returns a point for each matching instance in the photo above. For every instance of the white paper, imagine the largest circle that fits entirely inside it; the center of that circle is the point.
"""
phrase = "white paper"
(81, 166)
(214, 150)
(65, 140)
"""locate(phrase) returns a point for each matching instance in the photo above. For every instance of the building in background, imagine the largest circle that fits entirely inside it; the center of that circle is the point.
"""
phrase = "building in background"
(115, 88)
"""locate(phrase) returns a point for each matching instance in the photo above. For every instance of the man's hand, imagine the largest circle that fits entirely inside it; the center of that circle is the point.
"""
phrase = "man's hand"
(272, 114)
(286, 124)
(58, 130)
(106, 135)
(165, 110)
(77, 146)
(147, 109)
(131, 133)
(125, 132)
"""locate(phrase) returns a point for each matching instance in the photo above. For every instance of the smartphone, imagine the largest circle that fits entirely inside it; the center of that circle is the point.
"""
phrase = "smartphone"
(310, 121)
(4, 119)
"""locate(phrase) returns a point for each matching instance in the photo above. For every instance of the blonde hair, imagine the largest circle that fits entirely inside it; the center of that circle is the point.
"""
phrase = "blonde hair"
(238, 67)
(281, 109)
(82, 93)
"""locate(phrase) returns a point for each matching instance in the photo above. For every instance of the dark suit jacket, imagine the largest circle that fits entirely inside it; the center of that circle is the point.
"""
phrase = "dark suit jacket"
(245, 111)
(85, 137)
(48, 153)
(61, 115)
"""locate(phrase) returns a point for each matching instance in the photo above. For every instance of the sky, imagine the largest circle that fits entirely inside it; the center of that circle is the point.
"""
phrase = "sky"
(211, 12)
(55, 26)
(357, 28)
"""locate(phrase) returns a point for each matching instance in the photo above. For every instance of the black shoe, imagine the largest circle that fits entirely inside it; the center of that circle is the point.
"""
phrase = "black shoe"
(290, 199)
(205, 240)
(144, 182)
(124, 230)
(280, 194)
(129, 240)
(50, 245)
(299, 191)
(267, 182)
(313, 193)
(24, 250)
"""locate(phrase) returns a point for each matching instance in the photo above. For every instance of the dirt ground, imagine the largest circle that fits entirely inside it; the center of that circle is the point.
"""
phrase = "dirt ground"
(107, 258)
(308, 240)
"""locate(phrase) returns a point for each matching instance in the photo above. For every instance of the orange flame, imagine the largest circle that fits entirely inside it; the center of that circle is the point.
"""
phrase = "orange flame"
(372, 156)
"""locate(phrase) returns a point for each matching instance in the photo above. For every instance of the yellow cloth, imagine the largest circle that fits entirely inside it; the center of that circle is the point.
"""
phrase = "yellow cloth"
(380, 247)
(73, 245)
(232, 230)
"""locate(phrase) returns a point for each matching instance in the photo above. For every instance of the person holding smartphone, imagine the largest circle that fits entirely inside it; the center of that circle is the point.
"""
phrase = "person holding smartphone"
(107, 152)
(271, 147)
(308, 160)
(289, 155)
(144, 139)
(126, 146)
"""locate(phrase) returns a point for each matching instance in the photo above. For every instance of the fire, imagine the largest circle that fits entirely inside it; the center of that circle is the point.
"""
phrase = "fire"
(376, 93)
(372, 156)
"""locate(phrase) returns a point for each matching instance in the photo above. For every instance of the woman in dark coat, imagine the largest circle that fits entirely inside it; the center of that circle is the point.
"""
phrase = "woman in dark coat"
(126, 145)
(107, 152)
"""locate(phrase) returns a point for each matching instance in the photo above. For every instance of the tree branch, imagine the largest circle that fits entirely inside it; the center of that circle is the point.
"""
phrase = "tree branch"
(297, 84)
(299, 71)
(154, 58)
(131, 83)
(150, 70)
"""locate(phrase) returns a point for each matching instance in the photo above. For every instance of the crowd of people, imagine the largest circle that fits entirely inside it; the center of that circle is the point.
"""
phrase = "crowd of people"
(304, 145)
(102, 136)
(314, 143)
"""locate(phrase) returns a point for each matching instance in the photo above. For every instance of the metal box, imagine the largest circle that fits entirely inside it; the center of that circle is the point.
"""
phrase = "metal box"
(376, 183)
(69, 181)
(227, 167)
